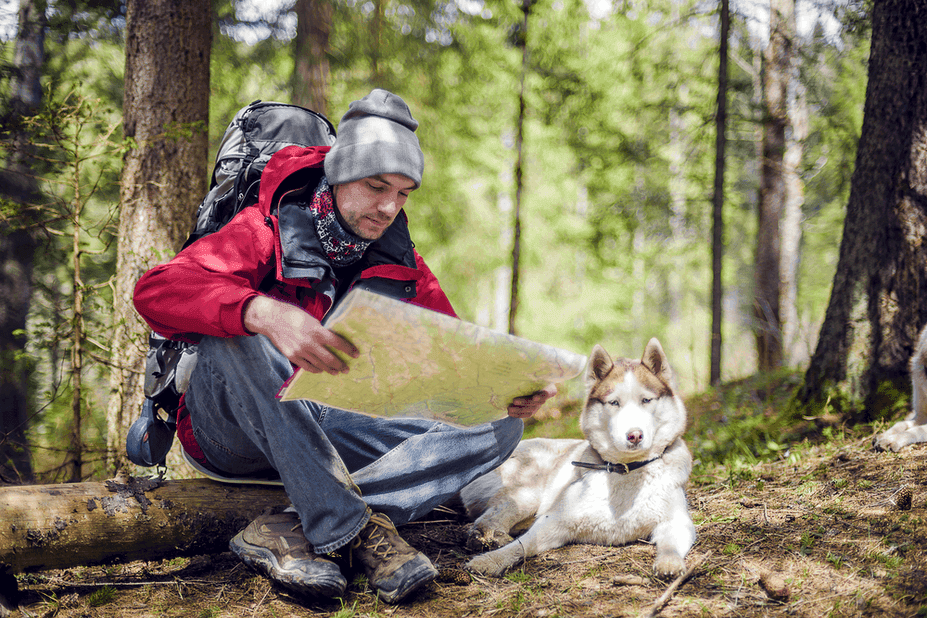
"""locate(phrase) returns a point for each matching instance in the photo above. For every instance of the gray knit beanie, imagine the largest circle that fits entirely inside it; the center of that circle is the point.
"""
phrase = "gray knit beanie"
(375, 136)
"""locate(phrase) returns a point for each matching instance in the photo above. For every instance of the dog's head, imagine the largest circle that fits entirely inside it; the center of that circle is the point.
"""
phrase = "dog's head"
(632, 412)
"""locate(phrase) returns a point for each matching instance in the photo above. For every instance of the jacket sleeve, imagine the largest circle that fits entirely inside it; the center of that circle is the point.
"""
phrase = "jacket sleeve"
(428, 290)
(205, 288)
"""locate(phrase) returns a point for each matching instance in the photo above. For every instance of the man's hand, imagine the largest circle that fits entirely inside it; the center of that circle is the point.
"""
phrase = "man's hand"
(524, 407)
(298, 335)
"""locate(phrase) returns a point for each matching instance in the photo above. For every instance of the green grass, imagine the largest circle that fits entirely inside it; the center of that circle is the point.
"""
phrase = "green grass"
(102, 596)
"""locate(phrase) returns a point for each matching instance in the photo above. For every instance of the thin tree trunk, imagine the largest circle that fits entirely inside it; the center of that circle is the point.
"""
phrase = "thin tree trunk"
(717, 227)
(17, 248)
(311, 74)
(376, 42)
(166, 112)
(519, 172)
(879, 298)
(76, 450)
(791, 227)
(767, 293)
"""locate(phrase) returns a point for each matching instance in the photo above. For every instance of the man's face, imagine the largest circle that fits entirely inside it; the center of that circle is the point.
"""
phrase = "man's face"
(369, 205)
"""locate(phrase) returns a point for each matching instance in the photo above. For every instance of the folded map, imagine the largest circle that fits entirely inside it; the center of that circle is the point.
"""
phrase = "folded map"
(422, 363)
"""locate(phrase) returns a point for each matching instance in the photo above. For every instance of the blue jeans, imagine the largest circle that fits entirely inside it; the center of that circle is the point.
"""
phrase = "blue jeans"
(336, 466)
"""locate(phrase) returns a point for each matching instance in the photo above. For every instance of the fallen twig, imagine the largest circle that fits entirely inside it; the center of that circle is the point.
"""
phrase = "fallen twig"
(671, 589)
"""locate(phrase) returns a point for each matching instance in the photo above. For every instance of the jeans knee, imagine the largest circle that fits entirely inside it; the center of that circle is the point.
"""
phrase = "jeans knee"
(508, 434)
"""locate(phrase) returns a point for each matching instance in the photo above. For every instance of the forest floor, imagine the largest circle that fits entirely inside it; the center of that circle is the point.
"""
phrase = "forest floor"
(830, 528)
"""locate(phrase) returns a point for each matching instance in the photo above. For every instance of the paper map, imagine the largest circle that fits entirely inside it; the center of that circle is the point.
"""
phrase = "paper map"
(418, 362)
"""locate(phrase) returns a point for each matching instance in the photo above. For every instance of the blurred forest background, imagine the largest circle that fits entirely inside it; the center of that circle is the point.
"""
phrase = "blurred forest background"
(571, 193)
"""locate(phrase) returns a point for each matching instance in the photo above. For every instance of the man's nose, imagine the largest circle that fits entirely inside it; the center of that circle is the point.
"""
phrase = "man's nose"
(389, 206)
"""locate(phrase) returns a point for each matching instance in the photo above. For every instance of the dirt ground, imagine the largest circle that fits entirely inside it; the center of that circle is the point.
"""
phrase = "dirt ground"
(830, 530)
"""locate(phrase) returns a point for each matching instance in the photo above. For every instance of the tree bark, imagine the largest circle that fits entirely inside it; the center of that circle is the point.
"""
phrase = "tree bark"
(767, 293)
(791, 228)
(166, 112)
(717, 208)
(311, 75)
(81, 524)
(514, 280)
(17, 248)
(879, 298)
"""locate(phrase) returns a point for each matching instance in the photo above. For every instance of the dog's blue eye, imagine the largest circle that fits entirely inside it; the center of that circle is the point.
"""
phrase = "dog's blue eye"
(614, 402)
(646, 400)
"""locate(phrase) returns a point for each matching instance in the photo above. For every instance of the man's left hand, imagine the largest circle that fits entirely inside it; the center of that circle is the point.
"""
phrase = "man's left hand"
(525, 407)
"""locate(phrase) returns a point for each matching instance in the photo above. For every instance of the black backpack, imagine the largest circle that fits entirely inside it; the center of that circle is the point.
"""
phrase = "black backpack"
(256, 132)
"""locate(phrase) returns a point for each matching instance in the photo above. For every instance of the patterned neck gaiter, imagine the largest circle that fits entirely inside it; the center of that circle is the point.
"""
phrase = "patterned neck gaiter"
(341, 246)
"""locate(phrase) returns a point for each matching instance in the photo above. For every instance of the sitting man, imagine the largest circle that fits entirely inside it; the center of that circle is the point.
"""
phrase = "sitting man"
(253, 294)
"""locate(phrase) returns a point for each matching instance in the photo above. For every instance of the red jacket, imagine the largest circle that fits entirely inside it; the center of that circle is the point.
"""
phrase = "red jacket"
(266, 249)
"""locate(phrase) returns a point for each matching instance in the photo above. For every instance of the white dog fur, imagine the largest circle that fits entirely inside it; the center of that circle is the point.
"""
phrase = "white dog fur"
(913, 428)
(632, 414)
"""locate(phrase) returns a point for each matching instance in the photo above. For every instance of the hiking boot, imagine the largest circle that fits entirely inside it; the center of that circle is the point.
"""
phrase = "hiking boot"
(274, 544)
(392, 566)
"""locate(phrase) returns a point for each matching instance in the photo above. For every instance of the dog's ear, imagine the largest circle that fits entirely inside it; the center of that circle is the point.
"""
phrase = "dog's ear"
(600, 363)
(654, 359)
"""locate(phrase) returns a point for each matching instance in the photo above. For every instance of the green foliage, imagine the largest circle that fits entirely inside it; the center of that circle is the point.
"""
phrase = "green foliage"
(75, 154)
(732, 549)
(743, 422)
(101, 596)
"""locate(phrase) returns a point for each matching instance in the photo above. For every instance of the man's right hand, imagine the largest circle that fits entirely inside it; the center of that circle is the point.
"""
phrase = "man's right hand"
(298, 335)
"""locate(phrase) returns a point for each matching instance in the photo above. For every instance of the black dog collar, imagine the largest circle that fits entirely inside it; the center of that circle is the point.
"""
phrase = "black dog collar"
(618, 468)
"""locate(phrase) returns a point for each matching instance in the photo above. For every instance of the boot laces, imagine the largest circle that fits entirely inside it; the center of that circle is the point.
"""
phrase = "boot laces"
(376, 539)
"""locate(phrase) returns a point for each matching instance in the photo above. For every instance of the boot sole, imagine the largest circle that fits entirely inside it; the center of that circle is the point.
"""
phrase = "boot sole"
(328, 583)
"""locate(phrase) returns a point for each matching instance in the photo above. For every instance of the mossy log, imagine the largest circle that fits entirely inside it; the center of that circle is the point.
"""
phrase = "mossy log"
(62, 526)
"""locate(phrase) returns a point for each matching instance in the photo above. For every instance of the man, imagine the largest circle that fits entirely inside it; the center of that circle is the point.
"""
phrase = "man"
(253, 295)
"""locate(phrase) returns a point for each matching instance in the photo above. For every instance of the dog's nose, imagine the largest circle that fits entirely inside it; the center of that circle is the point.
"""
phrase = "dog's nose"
(635, 436)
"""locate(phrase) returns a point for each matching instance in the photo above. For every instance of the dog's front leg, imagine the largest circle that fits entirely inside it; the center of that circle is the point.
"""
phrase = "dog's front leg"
(546, 533)
(913, 428)
(506, 510)
(673, 538)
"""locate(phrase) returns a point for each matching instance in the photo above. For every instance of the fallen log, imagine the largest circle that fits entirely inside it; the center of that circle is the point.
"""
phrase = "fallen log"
(62, 526)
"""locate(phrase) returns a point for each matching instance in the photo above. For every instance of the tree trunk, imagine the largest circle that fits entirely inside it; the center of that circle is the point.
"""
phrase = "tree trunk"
(376, 43)
(717, 227)
(166, 112)
(767, 292)
(81, 524)
(17, 249)
(879, 298)
(519, 173)
(791, 227)
(311, 74)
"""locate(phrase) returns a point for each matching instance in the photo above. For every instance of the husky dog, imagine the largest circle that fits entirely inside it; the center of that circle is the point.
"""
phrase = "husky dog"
(626, 481)
(913, 428)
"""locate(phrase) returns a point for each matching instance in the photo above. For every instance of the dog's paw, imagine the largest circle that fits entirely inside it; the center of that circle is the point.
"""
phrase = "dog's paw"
(479, 540)
(669, 565)
(488, 564)
(889, 441)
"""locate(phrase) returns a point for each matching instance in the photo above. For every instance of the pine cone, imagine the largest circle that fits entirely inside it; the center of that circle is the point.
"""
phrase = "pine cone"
(458, 577)
(903, 499)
